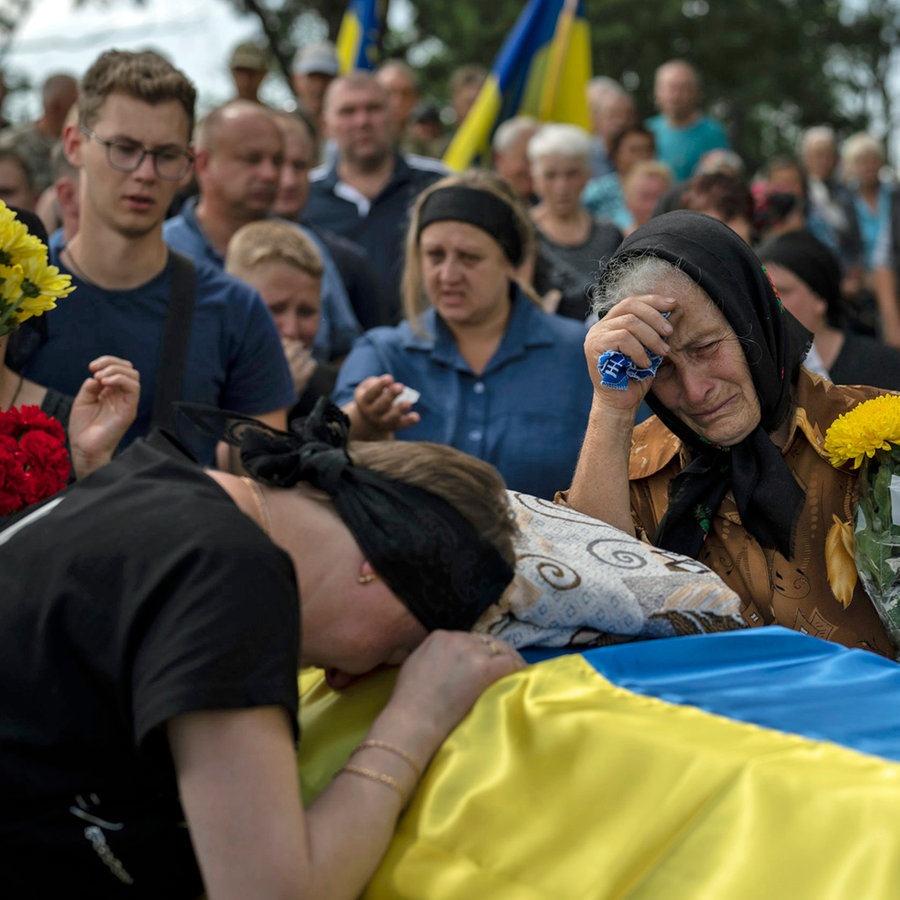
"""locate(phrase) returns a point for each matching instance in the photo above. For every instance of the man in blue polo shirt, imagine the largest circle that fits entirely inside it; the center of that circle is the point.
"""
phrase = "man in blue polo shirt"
(365, 194)
(683, 134)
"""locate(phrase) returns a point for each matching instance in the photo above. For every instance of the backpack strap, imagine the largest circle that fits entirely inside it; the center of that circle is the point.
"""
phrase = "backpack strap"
(174, 348)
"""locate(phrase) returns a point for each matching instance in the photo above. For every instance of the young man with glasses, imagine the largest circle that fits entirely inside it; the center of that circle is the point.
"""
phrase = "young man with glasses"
(132, 147)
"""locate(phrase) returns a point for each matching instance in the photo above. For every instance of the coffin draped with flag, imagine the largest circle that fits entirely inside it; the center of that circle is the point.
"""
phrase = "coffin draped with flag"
(542, 71)
(740, 765)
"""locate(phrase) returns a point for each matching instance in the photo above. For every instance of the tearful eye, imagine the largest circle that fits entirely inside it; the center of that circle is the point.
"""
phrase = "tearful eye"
(707, 349)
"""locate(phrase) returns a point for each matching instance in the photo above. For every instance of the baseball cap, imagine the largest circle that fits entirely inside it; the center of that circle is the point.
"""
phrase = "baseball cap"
(319, 57)
(249, 56)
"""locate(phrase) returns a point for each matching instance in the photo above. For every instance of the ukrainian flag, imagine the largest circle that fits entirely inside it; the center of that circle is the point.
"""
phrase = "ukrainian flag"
(357, 38)
(741, 765)
(542, 71)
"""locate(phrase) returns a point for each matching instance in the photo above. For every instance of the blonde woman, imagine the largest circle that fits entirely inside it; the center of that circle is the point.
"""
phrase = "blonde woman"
(284, 266)
(490, 372)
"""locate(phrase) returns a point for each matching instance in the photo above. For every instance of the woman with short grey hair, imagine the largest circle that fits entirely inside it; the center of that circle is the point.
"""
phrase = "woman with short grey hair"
(571, 242)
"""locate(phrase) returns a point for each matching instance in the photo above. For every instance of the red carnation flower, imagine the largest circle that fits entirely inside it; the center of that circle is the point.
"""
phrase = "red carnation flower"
(34, 463)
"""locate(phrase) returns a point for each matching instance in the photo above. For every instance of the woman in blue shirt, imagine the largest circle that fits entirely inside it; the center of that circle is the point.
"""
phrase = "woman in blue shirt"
(491, 373)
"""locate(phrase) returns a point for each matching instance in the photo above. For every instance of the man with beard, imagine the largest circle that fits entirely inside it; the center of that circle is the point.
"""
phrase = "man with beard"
(365, 194)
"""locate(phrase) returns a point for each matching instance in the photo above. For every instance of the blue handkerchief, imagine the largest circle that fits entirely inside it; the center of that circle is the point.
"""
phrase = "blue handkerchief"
(616, 368)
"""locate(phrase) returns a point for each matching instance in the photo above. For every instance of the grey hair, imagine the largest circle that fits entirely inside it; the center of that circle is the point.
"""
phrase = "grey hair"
(636, 275)
(648, 274)
(511, 130)
(818, 133)
(602, 88)
(558, 139)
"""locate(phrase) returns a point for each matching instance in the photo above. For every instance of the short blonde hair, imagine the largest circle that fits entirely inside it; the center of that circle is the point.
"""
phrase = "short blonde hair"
(471, 486)
(271, 240)
(858, 145)
(647, 167)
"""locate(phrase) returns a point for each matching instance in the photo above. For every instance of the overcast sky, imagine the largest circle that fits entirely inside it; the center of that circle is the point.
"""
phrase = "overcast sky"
(197, 35)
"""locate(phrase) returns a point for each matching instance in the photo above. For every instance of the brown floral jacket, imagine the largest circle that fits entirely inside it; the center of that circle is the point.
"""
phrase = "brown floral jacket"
(803, 592)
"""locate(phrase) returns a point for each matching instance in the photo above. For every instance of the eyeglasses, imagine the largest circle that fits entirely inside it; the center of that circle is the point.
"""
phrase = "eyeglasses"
(123, 155)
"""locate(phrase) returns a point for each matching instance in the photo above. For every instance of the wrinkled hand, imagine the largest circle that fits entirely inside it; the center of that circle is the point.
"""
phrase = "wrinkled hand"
(300, 362)
(102, 412)
(632, 326)
(379, 414)
(448, 672)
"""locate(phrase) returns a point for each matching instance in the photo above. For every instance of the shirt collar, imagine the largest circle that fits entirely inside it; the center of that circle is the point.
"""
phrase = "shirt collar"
(400, 174)
(189, 214)
(525, 330)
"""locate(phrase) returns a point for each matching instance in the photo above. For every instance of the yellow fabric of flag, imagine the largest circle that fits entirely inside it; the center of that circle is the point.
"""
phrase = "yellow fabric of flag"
(542, 70)
(560, 784)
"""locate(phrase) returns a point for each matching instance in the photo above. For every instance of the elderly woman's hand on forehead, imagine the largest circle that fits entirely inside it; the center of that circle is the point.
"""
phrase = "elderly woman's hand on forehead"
(632, 327)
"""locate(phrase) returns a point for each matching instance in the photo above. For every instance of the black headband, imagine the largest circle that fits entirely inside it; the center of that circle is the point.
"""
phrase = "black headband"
(475, 207)
(426, 552)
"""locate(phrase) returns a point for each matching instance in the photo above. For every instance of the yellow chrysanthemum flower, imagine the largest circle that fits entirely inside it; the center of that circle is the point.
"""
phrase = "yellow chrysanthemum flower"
(11, 278)
(867, 428)
(17, 243)
(28, 285)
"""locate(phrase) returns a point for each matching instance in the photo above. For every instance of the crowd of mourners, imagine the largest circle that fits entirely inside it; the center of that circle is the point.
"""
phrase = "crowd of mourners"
(303, 363)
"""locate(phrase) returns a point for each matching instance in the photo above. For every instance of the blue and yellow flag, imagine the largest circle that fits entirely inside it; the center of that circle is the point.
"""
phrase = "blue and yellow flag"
(542, 70)
(357, 38)
(740, 765)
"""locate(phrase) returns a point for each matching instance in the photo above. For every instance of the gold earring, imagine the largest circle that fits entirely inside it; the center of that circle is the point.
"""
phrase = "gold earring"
(367, 579)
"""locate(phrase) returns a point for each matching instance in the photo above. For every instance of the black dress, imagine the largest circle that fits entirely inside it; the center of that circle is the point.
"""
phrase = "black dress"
(132, 597)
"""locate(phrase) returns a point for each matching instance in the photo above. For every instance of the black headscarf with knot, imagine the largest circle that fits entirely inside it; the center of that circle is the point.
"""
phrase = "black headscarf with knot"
(774, 344)
(430, 555)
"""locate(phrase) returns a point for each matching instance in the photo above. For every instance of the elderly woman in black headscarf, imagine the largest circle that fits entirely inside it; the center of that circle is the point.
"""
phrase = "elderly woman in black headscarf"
(152, 629)
(731, 470)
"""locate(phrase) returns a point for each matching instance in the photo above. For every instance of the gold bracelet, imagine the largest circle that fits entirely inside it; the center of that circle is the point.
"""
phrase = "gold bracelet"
(379, 777)
(390, 748)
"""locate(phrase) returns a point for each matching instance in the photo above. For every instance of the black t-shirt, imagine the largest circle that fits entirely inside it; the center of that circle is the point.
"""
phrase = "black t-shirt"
(136, 595)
